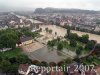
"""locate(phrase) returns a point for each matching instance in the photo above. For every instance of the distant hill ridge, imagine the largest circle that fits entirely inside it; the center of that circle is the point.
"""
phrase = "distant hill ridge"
(59, 10)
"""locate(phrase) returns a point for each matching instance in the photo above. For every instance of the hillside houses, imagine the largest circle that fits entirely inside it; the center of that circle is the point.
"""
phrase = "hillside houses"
(97, 28)
(3, 25)
(87, 27)
(20, 24)
(82, 21)
(15, 21)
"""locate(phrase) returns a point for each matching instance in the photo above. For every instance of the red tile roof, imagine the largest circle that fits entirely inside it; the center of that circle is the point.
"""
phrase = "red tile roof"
(56, 73)
(90, 72)
(24, 67)
(98, 69)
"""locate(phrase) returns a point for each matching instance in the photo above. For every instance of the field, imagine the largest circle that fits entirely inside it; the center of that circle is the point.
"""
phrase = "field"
(11, 53)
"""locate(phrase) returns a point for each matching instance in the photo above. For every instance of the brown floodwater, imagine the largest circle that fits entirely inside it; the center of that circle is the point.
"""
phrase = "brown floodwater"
(48, 55)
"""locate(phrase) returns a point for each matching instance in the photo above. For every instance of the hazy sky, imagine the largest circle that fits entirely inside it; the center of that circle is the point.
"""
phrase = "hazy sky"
(30, 4)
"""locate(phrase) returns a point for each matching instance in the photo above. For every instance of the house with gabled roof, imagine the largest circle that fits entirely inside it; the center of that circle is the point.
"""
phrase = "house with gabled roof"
(25, 40)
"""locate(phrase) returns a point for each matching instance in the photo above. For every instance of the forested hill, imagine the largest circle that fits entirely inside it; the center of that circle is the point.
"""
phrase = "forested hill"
(58, 10)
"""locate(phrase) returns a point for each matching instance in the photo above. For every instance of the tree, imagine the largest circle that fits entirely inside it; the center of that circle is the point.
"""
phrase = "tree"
(97, 47)
(1, 47)
(65, 43)
(7, 67)
(84, 38)
(55, 33)
(50, 31)
(68, 60)
(73, 43)
(60, 46)
(4, 66)
(8, 39)
(1, 58)
(90, 45)
(58, 39)
(36, 62)
(60, 63)
(46, 29)
(28, 33)
(43, 63)
(52, 64)
(90, 59)
(79, 51)
(73, 36)
(68, 31)
(19, 33)
(51, 44)
(22, 59)
(13, 69)
(25, 29)
(40, 30)
(12, 60)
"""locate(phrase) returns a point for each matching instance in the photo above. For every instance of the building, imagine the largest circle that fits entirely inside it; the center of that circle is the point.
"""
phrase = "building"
(36, 22)
(26, 69)
(3, 25)
(25, 40)
(97, 68)
(20, 24)
(23, 69)
(56, 73)
(97, 28)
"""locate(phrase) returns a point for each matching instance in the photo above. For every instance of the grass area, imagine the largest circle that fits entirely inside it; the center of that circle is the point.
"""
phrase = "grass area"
(92, 60)
(96, 61)
(70, 48)
(84, 51)
(80, 43)
(87, 62)
(11, 53)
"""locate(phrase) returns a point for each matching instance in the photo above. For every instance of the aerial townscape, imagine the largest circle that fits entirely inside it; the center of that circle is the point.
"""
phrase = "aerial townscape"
(50, 41)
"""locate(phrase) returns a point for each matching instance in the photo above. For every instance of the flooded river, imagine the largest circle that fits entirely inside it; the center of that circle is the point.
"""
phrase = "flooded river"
(62, 31)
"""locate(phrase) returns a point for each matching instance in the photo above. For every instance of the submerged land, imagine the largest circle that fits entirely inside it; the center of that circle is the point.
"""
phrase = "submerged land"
(49, 39)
